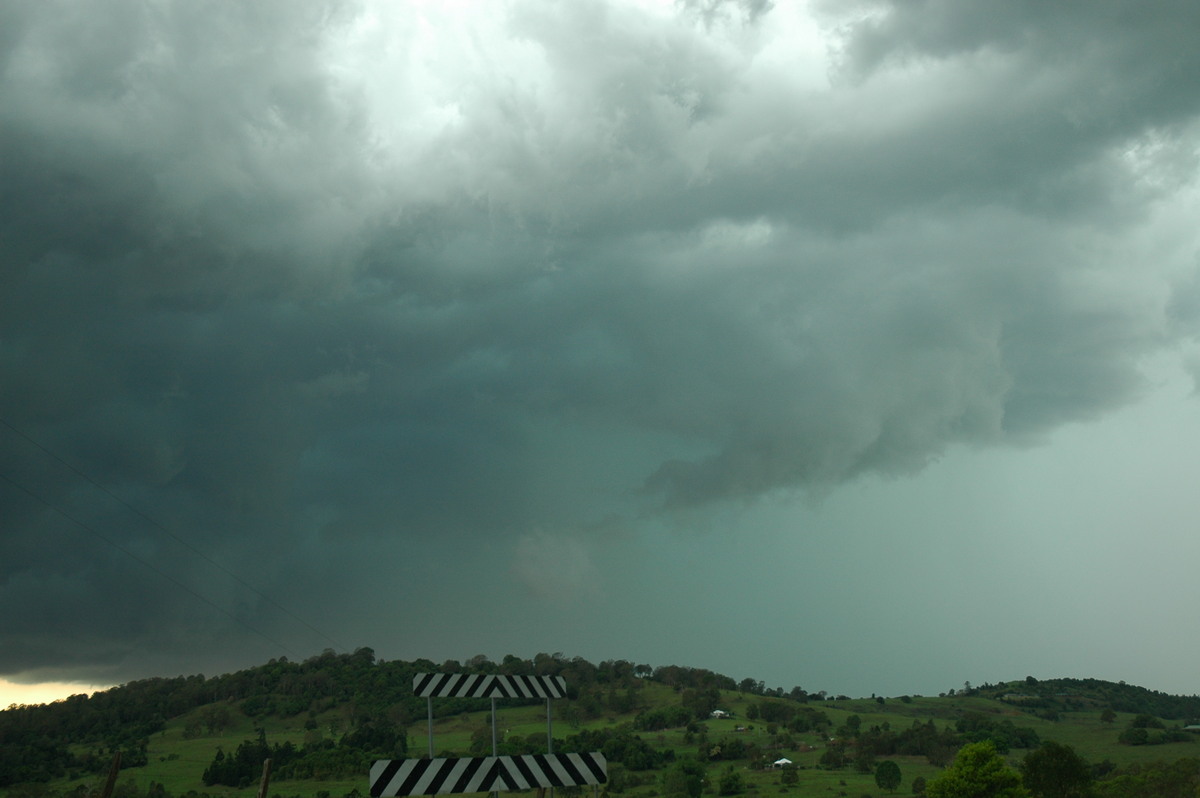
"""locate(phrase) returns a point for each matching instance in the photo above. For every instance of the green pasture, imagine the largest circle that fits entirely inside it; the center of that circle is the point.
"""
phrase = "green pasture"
(177, 762)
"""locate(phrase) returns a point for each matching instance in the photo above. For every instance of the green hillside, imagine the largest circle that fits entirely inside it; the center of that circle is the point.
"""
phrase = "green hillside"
(324, 720)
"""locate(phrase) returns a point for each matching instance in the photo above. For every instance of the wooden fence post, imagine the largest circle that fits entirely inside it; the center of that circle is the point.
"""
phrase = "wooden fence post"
(112, 776)
(266, 779)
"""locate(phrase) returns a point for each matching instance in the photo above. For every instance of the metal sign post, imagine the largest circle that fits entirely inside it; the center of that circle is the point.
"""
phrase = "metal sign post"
(401, 777)
(549, 737)
(494, 794)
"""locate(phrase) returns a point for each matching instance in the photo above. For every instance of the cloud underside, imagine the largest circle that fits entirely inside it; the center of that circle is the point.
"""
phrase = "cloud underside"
(282, 278)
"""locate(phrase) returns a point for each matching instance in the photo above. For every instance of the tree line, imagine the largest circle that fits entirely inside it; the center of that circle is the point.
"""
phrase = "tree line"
(78, 735)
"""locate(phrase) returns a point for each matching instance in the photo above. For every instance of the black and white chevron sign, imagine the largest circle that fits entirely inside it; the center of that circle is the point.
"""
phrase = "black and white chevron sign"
(430, 776)
(475, 685)
(397, 777)
(549, 770)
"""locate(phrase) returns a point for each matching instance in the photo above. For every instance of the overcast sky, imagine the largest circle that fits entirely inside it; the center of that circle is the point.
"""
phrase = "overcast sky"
(848, 345)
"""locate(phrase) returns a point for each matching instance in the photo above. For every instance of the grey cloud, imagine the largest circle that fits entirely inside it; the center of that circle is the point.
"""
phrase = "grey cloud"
(275, 313)
(1138, 43)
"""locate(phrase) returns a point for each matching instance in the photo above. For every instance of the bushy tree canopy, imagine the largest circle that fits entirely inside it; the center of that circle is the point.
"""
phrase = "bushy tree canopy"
(978, 772)
(1056, 771)
(887, 775)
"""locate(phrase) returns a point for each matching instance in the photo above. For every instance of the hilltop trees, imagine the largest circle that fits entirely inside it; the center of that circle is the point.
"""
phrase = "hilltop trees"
(1083, 694)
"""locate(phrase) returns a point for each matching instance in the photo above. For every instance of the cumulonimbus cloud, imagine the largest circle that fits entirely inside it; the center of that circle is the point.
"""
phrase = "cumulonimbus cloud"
(277, 273)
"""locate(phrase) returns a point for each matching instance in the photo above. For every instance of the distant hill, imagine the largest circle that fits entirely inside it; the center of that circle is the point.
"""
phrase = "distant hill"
(1067, 695)
(324, 720)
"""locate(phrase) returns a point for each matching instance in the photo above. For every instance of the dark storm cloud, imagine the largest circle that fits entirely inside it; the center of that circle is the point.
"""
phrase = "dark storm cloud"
(282, 282)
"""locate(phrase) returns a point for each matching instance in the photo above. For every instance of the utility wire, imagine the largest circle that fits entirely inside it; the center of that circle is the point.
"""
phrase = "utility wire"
(161, 528)
(143, 561)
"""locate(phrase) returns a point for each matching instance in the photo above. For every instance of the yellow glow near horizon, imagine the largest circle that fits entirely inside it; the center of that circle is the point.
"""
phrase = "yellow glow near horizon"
(42, 692)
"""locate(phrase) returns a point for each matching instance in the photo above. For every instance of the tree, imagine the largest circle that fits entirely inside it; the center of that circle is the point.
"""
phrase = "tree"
(1108, 716)
(618, 778)
(1179, 779)
(887, 775)
(731, 782)
(700, 702)
(977, 772)
(684, 778)
(1056, 771)
(1134, 736)
(481, 740)
(834, 757)
(215, 718)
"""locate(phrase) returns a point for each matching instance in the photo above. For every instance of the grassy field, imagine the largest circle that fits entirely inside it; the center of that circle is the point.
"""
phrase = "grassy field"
(177, 762)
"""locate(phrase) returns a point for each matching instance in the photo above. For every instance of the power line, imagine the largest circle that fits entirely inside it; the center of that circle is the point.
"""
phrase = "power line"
(160, 527)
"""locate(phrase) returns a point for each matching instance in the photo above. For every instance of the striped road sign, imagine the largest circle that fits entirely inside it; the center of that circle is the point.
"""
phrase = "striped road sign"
(430, 776)
(397, 777)
(476, 685)
(549, 770)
